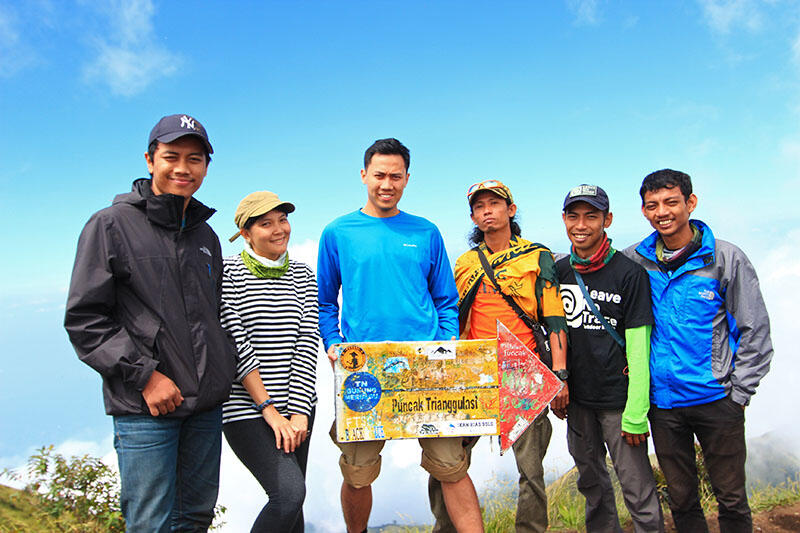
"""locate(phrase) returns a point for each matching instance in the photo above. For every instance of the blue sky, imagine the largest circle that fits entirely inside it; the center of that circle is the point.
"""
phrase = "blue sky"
(542, 95)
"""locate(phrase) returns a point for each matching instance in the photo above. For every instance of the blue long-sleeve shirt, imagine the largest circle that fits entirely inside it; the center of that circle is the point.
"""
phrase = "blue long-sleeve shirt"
(395, 280)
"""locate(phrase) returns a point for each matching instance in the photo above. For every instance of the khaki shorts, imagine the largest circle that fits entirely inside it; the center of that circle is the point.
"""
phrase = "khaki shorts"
(443, 457)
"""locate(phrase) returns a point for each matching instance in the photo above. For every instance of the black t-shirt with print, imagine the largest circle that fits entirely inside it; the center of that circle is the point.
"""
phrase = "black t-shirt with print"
(598, 368)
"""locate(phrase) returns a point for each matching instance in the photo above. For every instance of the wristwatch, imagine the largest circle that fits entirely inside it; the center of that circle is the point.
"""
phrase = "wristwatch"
(562, 374)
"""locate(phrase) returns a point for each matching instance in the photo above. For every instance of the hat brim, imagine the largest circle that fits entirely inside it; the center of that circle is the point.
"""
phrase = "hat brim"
(286, 207)
(169, 137)
(591, 200)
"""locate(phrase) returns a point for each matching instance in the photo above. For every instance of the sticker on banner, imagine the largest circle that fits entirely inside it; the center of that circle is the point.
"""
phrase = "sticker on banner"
(362, 391)
(443, 351)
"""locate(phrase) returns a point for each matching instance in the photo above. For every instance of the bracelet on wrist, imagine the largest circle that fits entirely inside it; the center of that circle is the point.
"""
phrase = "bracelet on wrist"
(266, 403)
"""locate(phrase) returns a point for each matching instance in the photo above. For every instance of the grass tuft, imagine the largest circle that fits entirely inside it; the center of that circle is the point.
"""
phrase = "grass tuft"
(565, 504)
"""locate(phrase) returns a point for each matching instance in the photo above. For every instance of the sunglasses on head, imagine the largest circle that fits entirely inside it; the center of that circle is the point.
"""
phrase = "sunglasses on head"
(486, 184)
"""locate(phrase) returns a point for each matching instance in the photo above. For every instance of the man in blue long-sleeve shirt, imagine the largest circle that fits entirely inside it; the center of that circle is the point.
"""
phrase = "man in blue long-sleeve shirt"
(396, 284)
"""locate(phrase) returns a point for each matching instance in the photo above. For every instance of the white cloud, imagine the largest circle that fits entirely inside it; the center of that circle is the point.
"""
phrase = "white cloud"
(103, 449)
(779, 276)
(128, 55)
(14, 53)
(403, 454)
(9, 35)
(726, 15)
(586, 11)
(14, 302)
(306, 252)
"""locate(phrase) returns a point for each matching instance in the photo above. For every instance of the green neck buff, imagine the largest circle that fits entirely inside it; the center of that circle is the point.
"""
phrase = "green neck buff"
(676, 260)
(598, 260)
(260, 270)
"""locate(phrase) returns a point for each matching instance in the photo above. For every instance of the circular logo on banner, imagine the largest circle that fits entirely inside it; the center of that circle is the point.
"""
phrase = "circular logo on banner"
(353, 358)
(362, 391)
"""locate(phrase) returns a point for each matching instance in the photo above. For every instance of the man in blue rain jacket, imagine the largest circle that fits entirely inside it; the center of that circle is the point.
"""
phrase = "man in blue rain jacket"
(709, 350)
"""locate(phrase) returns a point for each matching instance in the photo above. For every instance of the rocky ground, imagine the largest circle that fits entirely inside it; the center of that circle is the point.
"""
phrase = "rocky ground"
(777, 520)
(786, 518)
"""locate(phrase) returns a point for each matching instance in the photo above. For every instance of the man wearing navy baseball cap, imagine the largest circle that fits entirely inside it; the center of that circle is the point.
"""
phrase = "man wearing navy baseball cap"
(606, 300)
(143, 311)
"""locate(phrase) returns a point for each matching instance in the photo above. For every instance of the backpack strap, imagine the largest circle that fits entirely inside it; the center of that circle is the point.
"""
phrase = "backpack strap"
(611, 331)
(539, 331)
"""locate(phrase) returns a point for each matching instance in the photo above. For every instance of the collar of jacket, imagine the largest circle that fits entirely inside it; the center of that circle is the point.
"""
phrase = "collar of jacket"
(165, 210)
(702, 257)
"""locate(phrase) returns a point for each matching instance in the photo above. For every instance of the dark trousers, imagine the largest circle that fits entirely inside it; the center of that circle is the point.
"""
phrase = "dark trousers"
(719, 427)
(589, 433)
(282, 475)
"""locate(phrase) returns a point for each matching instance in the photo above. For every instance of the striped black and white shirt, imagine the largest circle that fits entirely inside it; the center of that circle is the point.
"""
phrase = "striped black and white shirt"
(274, 323)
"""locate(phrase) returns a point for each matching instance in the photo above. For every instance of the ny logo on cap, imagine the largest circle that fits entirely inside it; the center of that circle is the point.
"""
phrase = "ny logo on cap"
(187, 122)
(583, 190)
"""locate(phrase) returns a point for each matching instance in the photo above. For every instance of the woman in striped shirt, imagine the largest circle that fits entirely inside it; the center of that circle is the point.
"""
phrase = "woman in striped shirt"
(269, 305)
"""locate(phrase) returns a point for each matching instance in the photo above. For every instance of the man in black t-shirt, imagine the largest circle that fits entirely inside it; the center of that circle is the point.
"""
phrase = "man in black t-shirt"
(606, 299)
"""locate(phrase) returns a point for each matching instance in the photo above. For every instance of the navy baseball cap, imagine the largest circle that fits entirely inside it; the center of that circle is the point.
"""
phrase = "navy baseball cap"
(172, 127)
(591, 194)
